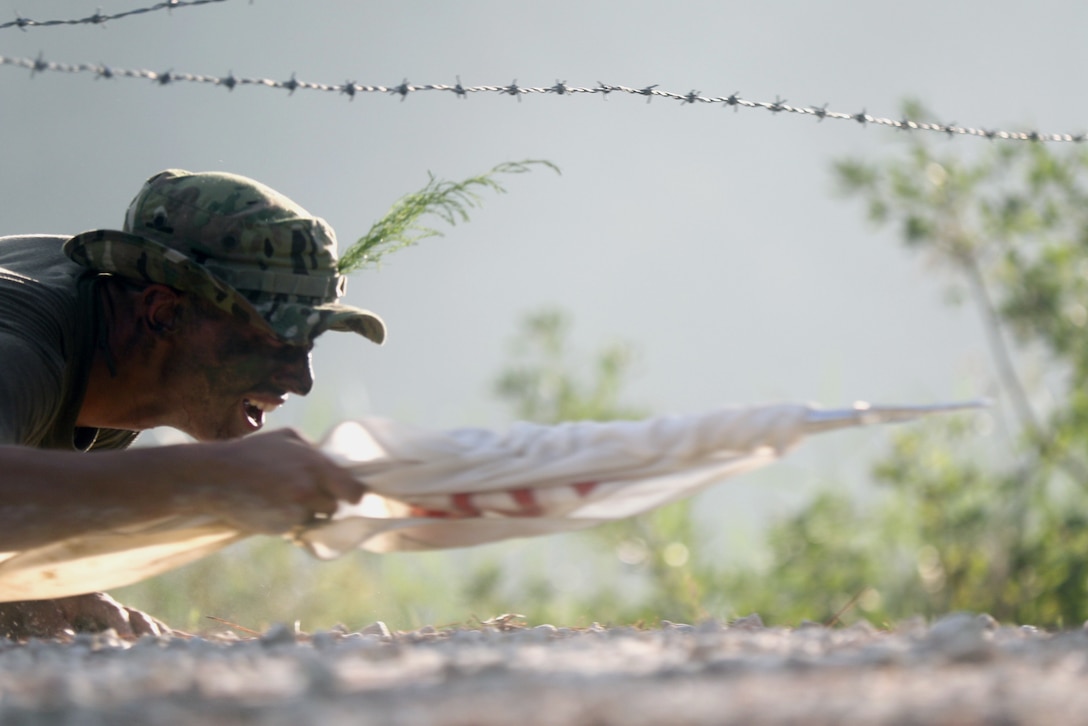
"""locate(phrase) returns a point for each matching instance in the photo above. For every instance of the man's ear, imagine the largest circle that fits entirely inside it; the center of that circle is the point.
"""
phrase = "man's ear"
(160, 308)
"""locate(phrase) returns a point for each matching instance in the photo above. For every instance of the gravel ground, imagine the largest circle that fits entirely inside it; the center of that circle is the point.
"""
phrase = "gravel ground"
(962, 669)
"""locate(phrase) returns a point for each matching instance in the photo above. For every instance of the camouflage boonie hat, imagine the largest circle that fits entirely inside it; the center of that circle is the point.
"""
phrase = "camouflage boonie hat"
(245, 247)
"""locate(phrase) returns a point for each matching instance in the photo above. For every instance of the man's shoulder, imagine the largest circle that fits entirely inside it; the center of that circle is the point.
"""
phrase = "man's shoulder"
(32, 239)
(46, 328)
(37, 280)
(40, 243)
(36, 257)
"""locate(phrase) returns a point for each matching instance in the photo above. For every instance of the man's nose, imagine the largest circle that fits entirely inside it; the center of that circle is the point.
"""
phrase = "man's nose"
(296, 375)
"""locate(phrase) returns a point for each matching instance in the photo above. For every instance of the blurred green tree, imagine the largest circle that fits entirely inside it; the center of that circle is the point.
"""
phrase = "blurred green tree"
(545, 384)
(969, 523)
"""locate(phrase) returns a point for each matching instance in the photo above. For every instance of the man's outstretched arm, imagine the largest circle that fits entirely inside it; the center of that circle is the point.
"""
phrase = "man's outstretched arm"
(267, 484)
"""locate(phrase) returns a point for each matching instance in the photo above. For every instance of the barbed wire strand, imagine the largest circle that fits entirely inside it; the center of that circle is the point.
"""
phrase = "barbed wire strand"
(404, 89)
(99, 19)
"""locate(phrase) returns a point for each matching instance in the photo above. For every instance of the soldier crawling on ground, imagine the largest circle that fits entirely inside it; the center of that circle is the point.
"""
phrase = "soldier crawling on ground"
(199, 314)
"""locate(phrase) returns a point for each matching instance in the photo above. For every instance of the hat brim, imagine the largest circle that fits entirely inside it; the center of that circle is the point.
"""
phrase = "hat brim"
(138, 258)
(303, 323)
(348, 319)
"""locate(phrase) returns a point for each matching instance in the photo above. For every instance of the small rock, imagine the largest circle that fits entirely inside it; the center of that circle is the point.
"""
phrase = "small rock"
(377, 628)
(466, 636)
(153, 642)
(360, 640)
(323, 639)
(748, 622)
(709, 625)
(526, 635)
(864, 627)
(953, 624)
(960, 637)
(199, 644)
(278, 634)
(621, 631)
(914, 627)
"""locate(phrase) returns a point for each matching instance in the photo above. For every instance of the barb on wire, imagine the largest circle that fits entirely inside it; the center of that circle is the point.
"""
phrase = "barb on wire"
(560, 88)
(99, 18)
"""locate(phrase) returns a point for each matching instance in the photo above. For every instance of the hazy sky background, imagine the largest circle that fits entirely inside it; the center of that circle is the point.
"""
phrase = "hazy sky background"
(709, 239)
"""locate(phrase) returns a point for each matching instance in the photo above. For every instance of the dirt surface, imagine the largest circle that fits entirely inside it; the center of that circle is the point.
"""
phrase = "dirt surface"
(962, 669)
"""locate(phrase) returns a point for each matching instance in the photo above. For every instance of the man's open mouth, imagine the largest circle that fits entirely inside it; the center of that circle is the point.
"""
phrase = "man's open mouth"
(255, 410)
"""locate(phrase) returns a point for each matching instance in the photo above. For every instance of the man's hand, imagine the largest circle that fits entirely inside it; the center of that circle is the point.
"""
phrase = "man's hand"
(269, 483)
(83, 613)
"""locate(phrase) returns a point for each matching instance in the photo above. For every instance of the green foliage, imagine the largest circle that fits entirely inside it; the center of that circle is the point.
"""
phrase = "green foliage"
(823, 560)
(449, 201)
(541, 385)
(653, 552)
(968, 523)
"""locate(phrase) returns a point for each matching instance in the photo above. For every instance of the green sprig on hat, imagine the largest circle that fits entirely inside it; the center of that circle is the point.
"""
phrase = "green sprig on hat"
(449, 201)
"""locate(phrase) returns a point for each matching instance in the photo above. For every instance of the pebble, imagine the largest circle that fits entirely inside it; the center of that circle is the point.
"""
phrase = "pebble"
(324, 639)
(748, 622)
(377, 628)
(278, 634)
(466, 636)
(709, 626)
(960, 637)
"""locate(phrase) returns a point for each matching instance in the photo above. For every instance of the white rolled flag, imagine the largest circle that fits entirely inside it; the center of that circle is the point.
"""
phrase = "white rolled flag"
(438, 489)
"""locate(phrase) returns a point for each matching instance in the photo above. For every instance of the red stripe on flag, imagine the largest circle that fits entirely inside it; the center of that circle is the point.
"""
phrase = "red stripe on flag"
(584, 487)
(525, 499)
(416, 511)
(463, 503)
